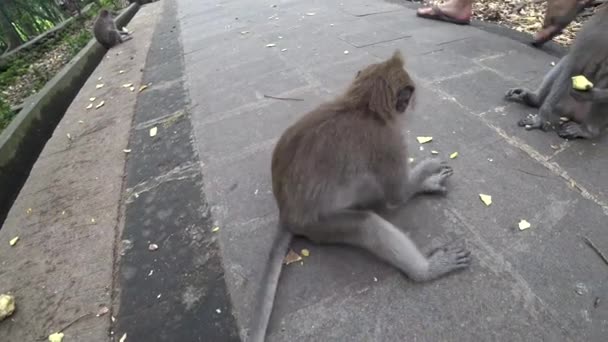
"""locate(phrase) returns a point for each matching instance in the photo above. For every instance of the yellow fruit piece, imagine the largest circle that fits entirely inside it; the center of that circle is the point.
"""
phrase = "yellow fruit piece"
(486, 199)
(453, 155)
(581, 82)
(523, 225)
(7, 306)
(424, 140)
(215, 229)
(305, 252)
(434, 152)
(13, 241)
(153, 131)
(56, 337)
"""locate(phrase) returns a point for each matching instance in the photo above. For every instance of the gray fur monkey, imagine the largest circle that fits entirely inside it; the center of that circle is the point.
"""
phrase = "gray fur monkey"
(556, 98)
(105, 30)
(338, 162)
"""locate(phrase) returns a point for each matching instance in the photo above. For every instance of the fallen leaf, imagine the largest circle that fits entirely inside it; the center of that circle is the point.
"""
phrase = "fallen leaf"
(215, 229)
(142, 88)
(283, 50)
(305, 252)
(434, 152)
(271, 45)
(121, 72)
(100, 104)
(291, 257)
(132, 89)
(13, 241)
(104, 310)
(523, 225)
(310, 14)
(454, 155)
(127, 150)
(486, 199)
(127, 85)
(123, 338)
(89, 106)
(152, 247)
(56, 337)
(92, 99)
(99, 86)
(153, 131)
(99, 78)
(424, 140)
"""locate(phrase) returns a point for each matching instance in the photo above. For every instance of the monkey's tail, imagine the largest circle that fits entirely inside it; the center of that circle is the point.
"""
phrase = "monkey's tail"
(268, 286)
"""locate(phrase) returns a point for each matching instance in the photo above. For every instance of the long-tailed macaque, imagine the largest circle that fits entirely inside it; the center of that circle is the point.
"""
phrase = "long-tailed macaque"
(339, 161)
(105, 30)
(556, 98)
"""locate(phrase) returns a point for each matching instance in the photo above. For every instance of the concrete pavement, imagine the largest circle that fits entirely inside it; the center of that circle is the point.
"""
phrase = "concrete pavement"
(534, 285)
(208, 67)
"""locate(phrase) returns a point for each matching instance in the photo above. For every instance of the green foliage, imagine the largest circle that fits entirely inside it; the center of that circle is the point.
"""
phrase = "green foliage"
(6, 115)
(77, 41)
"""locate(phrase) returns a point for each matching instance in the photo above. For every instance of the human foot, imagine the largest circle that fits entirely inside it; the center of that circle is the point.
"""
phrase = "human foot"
(453, 11)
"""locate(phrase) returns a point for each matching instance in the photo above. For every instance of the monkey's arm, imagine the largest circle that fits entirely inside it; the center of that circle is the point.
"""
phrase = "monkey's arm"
(597, 95)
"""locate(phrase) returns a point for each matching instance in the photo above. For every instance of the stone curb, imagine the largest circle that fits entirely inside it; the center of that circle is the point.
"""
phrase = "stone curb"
(22, 141)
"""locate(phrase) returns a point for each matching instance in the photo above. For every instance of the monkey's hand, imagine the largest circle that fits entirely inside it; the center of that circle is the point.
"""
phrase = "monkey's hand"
(430, 176)
(517, 95)
(534, 121)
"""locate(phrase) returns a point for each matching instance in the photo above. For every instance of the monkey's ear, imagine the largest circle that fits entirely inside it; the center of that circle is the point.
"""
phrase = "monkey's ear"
(397, 58)
(382, 98)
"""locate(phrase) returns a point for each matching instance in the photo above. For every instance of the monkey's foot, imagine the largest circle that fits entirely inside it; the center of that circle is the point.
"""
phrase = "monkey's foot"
(573, 130)
(447, 259)
(517, 95)
(533, 121)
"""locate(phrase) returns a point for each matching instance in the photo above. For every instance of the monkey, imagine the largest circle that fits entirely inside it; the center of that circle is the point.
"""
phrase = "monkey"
(559, 14)
(339, 161)
(105, 30)
(556, 98)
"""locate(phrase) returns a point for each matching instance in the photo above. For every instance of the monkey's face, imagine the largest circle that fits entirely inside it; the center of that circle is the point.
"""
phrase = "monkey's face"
(404, 95)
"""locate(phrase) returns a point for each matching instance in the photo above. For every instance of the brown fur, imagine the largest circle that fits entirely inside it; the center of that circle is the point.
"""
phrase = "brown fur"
(105, 30)
(363, 121)
(340, 161)
(559, 14)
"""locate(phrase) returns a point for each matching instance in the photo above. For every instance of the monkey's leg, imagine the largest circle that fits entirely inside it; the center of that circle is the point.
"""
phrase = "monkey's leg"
(552, 106)
(591, 128)
(369, 231)
(537, 98)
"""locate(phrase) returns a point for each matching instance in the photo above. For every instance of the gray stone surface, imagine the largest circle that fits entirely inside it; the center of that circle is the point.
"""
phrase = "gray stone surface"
(67, 213)
(523, 284)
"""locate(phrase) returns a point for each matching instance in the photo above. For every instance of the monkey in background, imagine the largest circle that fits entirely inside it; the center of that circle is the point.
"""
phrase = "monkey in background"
(337, 163)
(105, 30)
(556, 98)
(560, 13)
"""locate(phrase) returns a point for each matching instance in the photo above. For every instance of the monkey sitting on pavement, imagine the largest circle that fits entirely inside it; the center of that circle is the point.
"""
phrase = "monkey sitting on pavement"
(555, 98)
(339, 161)
(105, 30)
